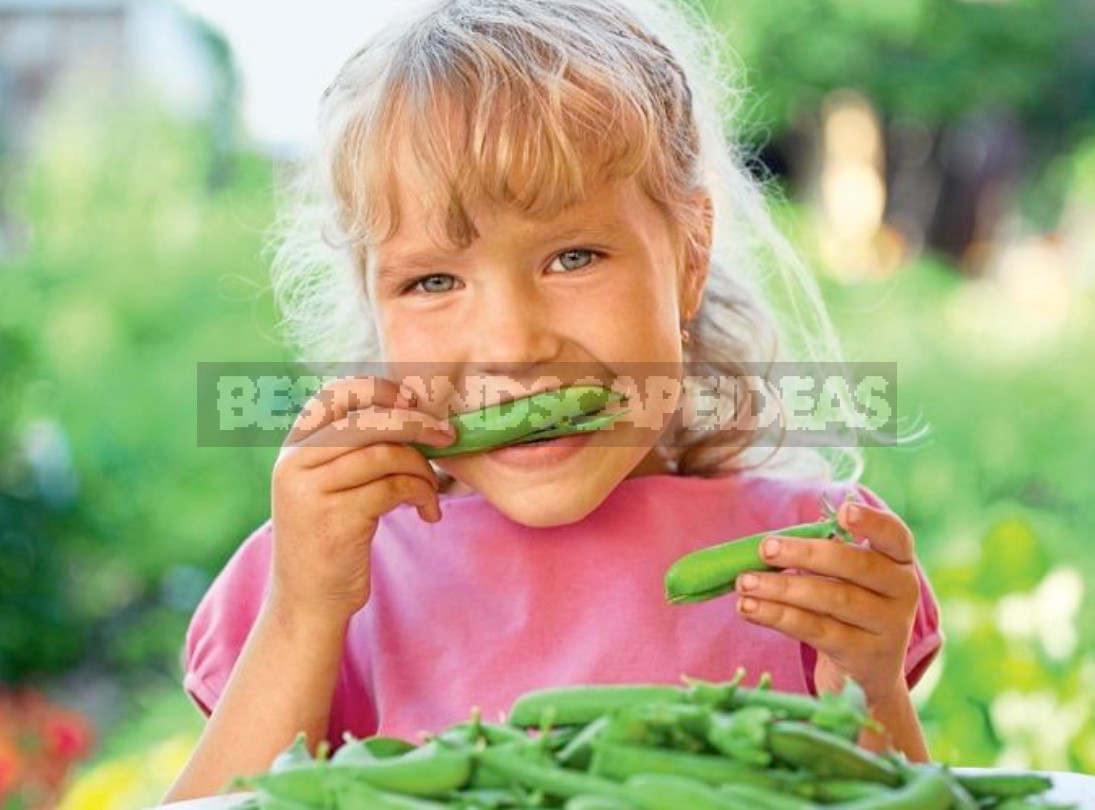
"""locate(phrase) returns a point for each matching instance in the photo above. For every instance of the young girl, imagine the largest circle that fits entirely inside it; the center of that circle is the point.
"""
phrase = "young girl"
(508, 188)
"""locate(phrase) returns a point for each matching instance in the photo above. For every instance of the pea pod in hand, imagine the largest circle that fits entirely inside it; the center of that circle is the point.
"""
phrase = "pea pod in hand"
(712, 571)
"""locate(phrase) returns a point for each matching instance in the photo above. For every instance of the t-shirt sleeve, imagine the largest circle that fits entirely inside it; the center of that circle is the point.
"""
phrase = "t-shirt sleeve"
(223, 619)
(926, 639)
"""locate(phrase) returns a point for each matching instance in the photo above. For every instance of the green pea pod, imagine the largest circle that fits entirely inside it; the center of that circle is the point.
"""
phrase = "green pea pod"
(431, 774)
(296, 755)
(308, 786)
(742, 735)
(353, 793)
(549, 414)
(804, 746)
(1004, 785)
(670, 725)
(784, 705)
(579, 705)
(577, 752)
(598, 803)
(1030, 803)
(266, 801)
(839, 790)
(548, 778)
(714, 570)
(621, 761)
(369, 749)
(662, 792)
(929, 789)
(760, 798)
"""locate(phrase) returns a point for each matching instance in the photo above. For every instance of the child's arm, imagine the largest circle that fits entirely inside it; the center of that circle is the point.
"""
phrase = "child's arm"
(855, 605)
(903, 733)
(283, 683)
(344, 464)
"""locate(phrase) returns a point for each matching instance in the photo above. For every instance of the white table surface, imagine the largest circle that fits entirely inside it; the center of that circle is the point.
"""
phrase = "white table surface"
(1077, 788)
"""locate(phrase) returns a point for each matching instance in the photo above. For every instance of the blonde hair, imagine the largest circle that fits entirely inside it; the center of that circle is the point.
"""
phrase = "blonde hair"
(599, 97)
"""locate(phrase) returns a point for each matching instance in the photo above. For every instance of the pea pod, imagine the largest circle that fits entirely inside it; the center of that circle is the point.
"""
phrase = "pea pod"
(577, 752)
(433, 773)
(804, 746)
(714, 570)
(620, 761)
(759, 798)
(546, 415)
(578, 705)
(370, 749)
(669, 725)
(661, 792)
(354, 793)
(1004, 785)
(928, 789)
(598, 803)
(548, 778)
(839, 790)
(742, 735)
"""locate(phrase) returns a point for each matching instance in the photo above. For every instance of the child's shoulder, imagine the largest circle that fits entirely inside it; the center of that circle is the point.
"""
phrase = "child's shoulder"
(795, 498)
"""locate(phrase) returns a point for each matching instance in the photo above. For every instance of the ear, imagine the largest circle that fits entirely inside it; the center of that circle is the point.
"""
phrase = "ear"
(697, 254)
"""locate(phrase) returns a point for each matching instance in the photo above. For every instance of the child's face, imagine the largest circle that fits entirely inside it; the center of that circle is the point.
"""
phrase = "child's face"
(598, 285)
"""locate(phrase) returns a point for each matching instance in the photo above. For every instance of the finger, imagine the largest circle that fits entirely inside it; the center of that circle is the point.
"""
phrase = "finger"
(381, 495)
(886, 531)
(372, 426)
(339, 397)
(823, 633)
(364, 464)
(843, 601)
(857, 564)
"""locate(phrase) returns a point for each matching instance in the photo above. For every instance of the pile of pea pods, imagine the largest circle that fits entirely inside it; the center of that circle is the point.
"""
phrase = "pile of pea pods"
(700, 746)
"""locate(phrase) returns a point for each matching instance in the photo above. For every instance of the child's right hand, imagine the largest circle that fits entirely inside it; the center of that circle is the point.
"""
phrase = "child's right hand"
(343, 465)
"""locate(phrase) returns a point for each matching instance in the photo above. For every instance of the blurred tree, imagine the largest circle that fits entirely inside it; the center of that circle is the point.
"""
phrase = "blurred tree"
(134, 272)
(993, 90)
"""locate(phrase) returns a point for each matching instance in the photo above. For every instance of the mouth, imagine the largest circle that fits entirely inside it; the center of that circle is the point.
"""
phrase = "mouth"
(538, 418)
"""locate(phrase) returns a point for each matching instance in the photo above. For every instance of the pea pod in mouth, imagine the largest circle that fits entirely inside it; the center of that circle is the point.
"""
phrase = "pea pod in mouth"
(546, 415)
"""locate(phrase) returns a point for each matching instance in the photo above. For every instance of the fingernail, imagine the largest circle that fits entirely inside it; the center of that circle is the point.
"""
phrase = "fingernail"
(747, 605)
(445, 427)
(434, 434)
(852, 513)
(770, 548)
(748, 582)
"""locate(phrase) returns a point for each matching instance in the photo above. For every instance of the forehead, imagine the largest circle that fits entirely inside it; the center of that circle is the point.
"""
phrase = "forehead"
(427, 218)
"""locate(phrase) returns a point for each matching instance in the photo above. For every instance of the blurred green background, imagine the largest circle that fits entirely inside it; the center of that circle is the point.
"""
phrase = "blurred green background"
(935, 159)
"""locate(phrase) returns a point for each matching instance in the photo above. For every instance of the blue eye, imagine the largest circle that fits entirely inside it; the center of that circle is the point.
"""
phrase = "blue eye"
(573, 259)
(428, 283)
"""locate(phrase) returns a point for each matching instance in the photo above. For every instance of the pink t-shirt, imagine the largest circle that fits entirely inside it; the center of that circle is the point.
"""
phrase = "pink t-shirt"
(478, 609)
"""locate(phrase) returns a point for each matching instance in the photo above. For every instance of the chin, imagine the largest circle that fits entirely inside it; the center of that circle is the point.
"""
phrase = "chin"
(541, 507)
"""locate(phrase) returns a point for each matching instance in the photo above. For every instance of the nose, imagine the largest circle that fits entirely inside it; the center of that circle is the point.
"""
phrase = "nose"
(513, 330)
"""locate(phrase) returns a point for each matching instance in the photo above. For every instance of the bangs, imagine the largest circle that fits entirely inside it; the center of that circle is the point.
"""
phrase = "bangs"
(502, 119)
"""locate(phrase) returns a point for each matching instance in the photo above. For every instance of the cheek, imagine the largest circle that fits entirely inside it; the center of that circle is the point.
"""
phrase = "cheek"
(407, 336)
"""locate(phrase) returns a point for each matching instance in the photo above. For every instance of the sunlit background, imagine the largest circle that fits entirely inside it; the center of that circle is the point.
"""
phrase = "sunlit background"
(936, 162)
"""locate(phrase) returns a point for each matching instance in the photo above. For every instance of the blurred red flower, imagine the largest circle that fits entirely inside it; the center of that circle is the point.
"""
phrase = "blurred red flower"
(40, 741)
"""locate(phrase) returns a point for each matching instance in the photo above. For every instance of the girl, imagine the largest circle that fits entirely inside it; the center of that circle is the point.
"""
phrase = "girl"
(510, 189)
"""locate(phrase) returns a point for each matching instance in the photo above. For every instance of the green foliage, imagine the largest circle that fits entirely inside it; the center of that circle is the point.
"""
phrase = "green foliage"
(926, 60)
(1000, 502)
(133, 273)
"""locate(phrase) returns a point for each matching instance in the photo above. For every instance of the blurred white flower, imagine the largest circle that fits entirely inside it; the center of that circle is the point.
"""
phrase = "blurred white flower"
(1047, 614)
(1036, 729)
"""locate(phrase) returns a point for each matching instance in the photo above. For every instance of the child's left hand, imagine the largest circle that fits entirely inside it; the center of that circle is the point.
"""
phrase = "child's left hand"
(854, 604)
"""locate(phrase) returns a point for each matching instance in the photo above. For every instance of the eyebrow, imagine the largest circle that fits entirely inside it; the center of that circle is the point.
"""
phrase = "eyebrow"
(398, 265)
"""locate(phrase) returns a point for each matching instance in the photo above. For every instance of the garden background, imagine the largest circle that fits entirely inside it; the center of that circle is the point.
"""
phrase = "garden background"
(935, 159)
